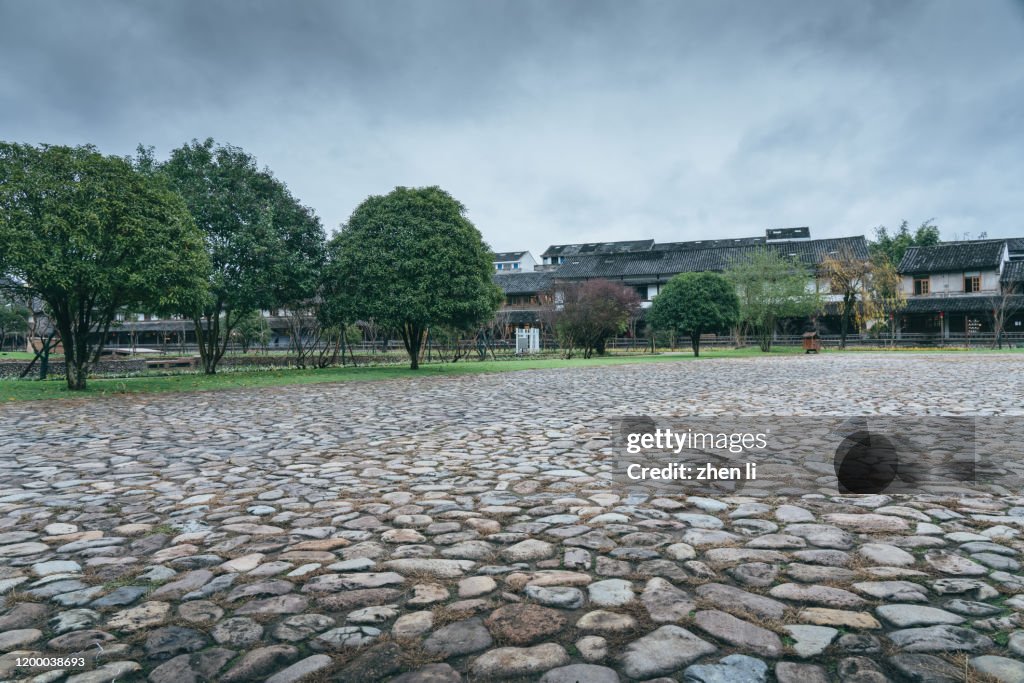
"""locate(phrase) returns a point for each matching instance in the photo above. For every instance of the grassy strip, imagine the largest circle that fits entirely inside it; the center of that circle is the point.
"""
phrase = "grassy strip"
(11, 390)
(17, 355)
(56, 389)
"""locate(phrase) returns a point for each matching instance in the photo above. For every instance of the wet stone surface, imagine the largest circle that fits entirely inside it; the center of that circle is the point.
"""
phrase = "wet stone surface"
(467, 528)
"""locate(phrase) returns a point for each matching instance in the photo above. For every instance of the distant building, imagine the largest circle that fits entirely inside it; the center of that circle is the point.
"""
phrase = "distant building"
(557, 254)
(953, 288)
(512, 261)
(649, 270)
(646, 266)
(525, 297)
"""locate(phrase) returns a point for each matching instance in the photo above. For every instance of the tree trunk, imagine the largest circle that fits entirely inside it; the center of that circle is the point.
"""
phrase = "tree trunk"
(75, 360)
(412, 338)
(211, 350)
(764, 335)
(75, 373)
(695, 343)
(844, 324)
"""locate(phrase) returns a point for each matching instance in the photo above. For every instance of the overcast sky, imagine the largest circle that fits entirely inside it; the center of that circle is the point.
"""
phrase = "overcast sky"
(559, 121)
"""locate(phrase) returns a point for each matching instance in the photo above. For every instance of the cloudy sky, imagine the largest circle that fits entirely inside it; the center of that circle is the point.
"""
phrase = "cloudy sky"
(559, 121)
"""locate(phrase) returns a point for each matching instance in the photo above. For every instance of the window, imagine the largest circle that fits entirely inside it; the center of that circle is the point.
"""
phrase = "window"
(922, 285)
(515, 266)
(500, 266)
(972, 282)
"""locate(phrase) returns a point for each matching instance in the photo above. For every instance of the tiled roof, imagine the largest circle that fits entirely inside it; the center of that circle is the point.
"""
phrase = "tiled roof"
(666, 263)
(598, 248)
(953, 256)
(508, 256)
(1016, 243)
(523, 283)
(788, 233)
(958, 304)
(1013, 271)
(707, 244)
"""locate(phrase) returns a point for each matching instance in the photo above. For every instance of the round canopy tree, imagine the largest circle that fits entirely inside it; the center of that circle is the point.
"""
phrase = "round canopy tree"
(266, 249)
(91, 237)
(408, 260)
(694, 303)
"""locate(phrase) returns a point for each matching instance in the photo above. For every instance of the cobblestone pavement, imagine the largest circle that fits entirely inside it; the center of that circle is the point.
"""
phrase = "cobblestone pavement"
(466, 529)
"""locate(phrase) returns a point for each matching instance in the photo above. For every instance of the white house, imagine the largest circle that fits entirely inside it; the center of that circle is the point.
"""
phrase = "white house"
(514, 261)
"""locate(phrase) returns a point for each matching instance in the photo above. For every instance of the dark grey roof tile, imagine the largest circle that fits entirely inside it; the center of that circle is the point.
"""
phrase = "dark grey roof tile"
(953, 256)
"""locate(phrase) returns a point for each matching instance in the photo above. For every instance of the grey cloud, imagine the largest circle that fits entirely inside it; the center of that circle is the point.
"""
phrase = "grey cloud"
(558, 121)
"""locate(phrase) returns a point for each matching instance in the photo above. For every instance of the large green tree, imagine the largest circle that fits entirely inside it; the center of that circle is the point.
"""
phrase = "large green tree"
(266, 249)
(695, 303)
(891, 246)
(409, 260)
(90, 236)
(771, 287)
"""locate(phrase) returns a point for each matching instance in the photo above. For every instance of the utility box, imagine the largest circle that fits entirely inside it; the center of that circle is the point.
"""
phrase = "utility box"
(527, 340)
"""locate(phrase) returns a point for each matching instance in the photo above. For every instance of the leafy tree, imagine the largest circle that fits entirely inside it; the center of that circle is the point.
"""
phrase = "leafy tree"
(89, 235)
(695, 303)
(892, 247)
(251, 330)
(885, 299)
(1002, 306)
(848, 277)
(408, 260)
(591, 312)
(266, 249)
(771, 287)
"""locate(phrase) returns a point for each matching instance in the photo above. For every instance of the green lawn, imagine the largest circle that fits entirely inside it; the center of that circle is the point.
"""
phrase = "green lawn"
(50, 389)
(17, 355)
(26, 390)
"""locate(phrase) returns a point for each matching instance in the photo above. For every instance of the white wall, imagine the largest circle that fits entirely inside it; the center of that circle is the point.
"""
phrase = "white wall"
(953, 283)
(526, 265)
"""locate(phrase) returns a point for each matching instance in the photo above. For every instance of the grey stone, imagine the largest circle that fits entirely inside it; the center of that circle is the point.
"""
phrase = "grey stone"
(923, 668)
(732, 669)
(302, 669)
(611, 592)
(513, 662)
(580, 673)
(663, 651)
(170, 641)
(237, 632)
(902, 616)
(740, 633)
(431, 673)
(790, 672)
(943, 638)
(459, 638)
(665, 603)
(810, 641)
